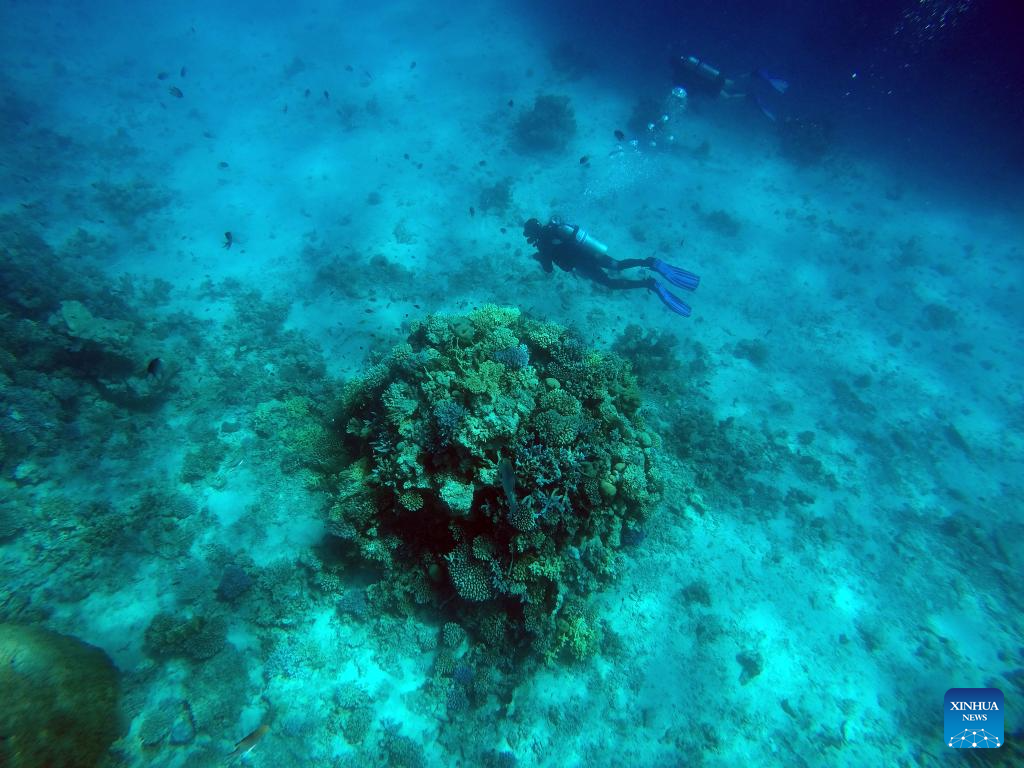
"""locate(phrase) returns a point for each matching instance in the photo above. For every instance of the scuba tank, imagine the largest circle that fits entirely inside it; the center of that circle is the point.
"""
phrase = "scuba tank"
(582, 237)
(703, 68)
(700, 76)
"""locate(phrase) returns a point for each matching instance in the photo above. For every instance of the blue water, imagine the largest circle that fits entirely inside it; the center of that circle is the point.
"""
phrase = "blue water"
(214, 215)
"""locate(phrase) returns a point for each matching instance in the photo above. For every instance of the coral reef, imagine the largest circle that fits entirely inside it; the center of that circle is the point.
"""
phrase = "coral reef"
(130, 202)
(549, 125)
(234, 582)
(495, 466)
(196, 638)
(652, 352)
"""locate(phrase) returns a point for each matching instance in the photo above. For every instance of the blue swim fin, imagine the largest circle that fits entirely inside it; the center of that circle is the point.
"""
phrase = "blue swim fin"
(678, 277)
(672, 302)
(779, 84)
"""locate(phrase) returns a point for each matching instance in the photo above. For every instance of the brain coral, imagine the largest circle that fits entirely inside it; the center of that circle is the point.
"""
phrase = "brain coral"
(525, 470)
(60, 700)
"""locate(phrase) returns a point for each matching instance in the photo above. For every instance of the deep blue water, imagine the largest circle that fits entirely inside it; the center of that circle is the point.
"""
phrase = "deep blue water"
(216, 219)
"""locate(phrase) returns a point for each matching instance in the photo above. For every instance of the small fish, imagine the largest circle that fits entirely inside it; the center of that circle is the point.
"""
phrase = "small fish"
(584, 160)
(348, 67)
(162, 75)
(472, 211)
(245, 746)
(306, 94)
(619, 135)
(155, 368)
(327, 96)
(183, 72)
(222, 165)
(511, 103)
(508, 482)
(413, 65)
(228, 240)
(175, 91)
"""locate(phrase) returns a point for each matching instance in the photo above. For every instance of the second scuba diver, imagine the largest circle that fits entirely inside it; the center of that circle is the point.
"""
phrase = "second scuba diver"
(573, 249)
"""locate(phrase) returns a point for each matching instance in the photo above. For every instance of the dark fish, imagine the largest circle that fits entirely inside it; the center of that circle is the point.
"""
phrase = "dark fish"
(511, 103)
(619, 135)
(472, 211)
(228, 239)
(413, 65)
(246, 745)
(155, 368)
(162, 75)
(508, 483)
(222, 165)
(327, 96)
(306, 94)
(348, 67)
(175, 91)
(584, 160)
(183, 72)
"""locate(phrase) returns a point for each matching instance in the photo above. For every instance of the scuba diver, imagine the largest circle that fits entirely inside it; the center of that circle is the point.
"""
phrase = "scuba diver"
(700, 79)
(572, 248)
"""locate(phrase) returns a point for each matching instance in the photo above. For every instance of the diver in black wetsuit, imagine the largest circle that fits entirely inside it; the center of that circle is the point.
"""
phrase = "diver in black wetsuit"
(573, 249)
(698, 78)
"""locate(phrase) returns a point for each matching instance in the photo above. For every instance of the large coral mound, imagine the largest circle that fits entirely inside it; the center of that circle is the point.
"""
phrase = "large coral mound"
(496, 467)
(60, 700)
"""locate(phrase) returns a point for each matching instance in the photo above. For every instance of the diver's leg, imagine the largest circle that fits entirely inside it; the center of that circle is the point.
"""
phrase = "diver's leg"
(670, 300)
(629, 263)
(675, 275)
(619, 283)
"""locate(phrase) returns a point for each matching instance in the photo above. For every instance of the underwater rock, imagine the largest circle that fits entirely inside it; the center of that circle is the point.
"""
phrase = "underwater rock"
(77, 321)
